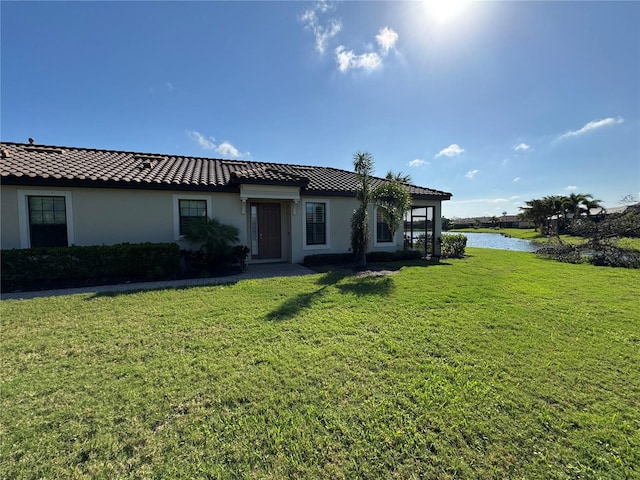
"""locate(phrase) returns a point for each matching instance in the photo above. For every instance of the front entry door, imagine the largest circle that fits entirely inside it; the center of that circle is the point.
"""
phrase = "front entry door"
(269, 231)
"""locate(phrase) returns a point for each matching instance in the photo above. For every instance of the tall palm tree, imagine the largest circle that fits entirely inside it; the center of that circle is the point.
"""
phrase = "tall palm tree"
(363, 166)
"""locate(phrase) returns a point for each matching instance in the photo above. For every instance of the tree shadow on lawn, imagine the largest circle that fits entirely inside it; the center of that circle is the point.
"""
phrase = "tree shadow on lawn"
(344, 280)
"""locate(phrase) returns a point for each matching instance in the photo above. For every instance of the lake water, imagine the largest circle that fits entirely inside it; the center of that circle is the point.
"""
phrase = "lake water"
(499, 242)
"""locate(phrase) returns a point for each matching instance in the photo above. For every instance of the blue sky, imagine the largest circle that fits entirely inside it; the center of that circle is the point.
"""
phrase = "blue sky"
(495, 102)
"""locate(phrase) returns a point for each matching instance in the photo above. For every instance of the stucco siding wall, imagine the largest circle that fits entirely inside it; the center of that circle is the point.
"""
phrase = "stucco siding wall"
(109, 216)
(339, 213)
(105, 216)
(9, 228)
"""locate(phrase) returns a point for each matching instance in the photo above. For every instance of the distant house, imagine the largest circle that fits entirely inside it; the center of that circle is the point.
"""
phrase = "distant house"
(502, 221)
(62, 196)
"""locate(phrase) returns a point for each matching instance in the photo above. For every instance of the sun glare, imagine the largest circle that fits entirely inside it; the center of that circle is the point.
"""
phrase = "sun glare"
(445, 11)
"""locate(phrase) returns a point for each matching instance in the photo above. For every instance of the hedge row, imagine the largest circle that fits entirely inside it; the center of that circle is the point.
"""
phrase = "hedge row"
(36, 267)
(345, 258)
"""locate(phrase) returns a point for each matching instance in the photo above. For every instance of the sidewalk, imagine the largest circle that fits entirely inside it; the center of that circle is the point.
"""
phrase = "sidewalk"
(253, 271)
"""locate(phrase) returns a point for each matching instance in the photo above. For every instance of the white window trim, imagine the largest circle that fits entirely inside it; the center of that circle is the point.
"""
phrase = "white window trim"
(176, 211)
(327, 223)
(23, 213)
(392, 243)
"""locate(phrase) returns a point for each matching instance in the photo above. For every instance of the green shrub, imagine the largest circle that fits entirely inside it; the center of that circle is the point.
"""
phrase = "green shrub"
(216, 241)
(453, 245)
(328, 259)
(348, 258)
(33, 267)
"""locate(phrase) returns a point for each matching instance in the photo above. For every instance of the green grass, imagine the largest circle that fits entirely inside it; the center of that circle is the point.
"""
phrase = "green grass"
(499, 365)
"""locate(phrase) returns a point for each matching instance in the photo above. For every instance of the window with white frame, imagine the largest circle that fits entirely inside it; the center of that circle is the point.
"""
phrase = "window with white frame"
(316, 224)
(189, 207)
(316, 217)
(45, 218)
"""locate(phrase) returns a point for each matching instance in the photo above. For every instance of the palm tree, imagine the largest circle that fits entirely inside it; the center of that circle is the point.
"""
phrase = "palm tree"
(589, 204)
(363, 166)
(393, 201)
(391, 197)
(398, 177)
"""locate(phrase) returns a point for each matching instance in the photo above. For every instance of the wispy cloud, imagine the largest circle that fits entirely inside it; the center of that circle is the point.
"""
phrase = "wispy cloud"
(522, 146)
(159, 88)
(452, 150)
(348, 59)
(516, 180)
(206, 143)
(225, 148)
(418, 163)
(571, 188)
(594, 125)
(471, 173)
(322, 32)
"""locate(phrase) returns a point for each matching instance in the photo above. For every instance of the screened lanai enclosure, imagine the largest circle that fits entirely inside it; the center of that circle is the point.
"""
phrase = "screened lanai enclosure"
(419, 230)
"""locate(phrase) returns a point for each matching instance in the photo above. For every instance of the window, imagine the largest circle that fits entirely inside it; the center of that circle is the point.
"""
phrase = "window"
(383, 234)
(187, 207)
(190, 209)
(45, 218)
(316, 223)
(47, 221)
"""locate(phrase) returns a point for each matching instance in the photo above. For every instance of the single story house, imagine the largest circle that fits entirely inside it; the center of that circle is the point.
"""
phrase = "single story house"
(54, 195)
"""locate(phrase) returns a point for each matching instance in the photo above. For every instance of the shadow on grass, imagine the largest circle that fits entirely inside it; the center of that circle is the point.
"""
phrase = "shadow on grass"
(344, 280)
(134, 291)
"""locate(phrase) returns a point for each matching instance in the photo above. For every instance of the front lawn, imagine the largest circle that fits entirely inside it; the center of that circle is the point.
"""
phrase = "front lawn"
(499, 365)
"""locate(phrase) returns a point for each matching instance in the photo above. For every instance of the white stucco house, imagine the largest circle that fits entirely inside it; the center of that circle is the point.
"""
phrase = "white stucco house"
(53, 195)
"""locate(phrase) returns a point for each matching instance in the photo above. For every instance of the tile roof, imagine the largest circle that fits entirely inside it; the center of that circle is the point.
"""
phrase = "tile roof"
(27, 164)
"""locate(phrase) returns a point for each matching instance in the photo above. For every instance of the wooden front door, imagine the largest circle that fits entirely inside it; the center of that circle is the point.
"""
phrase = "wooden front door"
(269, 231)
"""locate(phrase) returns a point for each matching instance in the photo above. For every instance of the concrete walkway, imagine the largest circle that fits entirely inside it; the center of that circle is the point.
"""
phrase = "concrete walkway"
(253, 271)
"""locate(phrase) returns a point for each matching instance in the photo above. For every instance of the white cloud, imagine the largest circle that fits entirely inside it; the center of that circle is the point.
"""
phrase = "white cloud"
(418, 163)
(207, 143)
(228, 150)
(452, 150)
(225, 149)
(517, 179)
(323, 33)
(471, 173)
(522, 146)
(347, 60)
(592, 126)
(571, 187)
(387, 39)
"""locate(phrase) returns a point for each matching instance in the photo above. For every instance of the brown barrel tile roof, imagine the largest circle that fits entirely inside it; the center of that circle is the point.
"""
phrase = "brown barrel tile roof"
(68, 166)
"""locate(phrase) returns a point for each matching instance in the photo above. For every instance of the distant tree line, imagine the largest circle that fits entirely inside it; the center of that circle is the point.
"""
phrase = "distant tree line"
(555, 213)
(602, 231)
